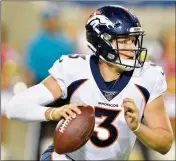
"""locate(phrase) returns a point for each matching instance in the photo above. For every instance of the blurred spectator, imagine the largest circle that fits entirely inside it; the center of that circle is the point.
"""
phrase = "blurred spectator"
(154, 49)
(81, 42)
(47, 45)
(13, 75)
(167, 61)
(10, 63)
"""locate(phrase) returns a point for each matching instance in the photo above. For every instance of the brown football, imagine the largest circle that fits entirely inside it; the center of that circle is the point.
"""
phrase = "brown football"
(71, 134)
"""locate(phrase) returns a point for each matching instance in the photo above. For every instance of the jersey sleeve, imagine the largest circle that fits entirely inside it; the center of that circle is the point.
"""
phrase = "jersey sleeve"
(160, 86)
(58, 72)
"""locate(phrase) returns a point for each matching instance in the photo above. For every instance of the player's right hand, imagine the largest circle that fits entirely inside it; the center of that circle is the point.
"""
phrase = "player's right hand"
(64, 112)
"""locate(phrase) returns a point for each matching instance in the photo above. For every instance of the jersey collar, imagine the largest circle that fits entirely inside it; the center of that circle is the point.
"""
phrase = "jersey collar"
(118, 87)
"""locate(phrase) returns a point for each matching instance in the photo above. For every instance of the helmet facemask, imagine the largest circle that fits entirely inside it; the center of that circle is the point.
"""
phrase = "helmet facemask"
(108, 53)
(114, 58)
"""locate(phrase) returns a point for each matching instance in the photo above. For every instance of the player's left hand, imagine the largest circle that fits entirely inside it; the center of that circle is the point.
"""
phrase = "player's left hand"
(131, 113)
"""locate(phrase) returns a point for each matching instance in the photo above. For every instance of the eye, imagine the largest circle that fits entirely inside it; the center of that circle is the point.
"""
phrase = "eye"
(133, 41)
(122, 41)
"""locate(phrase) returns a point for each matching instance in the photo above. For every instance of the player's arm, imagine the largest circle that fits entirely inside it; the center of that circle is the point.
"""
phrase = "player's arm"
(30, 104)
(158, 133)
(64, 111)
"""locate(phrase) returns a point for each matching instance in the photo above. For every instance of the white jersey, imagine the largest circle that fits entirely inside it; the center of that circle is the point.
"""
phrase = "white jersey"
(81, 82)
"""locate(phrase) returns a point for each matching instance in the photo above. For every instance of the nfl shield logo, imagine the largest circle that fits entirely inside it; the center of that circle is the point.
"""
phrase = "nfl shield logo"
(109, 95)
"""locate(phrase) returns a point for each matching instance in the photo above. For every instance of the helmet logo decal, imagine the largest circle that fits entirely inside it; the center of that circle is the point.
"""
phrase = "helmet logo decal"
(99, 20)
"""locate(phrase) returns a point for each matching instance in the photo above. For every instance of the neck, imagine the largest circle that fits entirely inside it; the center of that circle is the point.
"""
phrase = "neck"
(109, 72)
(50, 31)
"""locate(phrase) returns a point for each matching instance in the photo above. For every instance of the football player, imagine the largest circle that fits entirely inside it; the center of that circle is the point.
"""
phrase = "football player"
(115, 80)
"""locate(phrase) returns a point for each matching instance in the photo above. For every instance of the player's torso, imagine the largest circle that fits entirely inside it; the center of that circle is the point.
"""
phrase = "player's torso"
(111, 139)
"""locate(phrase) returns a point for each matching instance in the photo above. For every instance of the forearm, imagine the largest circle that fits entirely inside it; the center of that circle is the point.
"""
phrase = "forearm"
(29, 105)
(26, 112)
(157, 139)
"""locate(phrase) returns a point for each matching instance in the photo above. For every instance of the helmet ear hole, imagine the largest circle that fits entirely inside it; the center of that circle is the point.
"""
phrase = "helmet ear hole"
(88, 36)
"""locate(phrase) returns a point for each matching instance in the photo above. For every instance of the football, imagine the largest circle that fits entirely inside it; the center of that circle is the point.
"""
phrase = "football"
(72, 133)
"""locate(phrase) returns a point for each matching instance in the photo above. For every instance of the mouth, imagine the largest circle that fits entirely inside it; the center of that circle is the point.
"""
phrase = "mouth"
(125, 56)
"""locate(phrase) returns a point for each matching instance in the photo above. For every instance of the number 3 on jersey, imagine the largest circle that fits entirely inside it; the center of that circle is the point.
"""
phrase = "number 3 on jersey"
(109, 117)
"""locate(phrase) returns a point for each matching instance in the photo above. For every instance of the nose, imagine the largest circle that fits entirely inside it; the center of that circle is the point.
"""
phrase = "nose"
(130, 45)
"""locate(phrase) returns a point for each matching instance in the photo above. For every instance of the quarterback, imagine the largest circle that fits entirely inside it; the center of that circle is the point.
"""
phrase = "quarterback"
(116, 80)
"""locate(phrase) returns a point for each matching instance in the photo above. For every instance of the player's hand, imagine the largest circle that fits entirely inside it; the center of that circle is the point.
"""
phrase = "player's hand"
(65, 111)
(131, 113)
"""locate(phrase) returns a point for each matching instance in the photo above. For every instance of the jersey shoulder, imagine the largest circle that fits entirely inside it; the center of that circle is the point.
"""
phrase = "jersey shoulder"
(74, 62)
(72, 67)
(74, 58)
(150, 70)
(150, 76)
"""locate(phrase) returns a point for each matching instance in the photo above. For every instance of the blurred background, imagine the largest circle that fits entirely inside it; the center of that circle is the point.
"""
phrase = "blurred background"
(35, 34)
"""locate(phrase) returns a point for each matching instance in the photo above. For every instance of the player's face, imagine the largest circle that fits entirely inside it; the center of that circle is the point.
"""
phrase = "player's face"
(51, 24)
(125, 43)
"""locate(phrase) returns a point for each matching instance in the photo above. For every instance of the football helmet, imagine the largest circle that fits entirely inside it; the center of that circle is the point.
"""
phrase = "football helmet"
(113, 22)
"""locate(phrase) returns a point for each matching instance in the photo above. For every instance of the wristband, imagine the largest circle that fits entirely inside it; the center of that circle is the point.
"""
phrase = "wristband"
(51, 113)
(137, 128)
